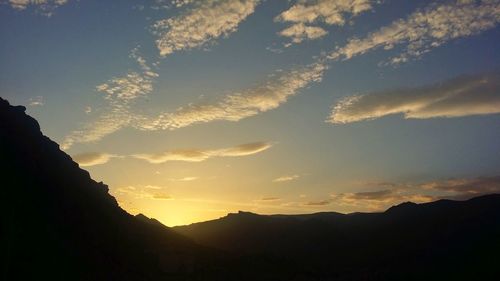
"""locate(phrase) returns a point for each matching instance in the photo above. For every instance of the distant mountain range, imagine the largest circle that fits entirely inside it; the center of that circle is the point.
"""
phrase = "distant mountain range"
(59, 224)
(442, 240)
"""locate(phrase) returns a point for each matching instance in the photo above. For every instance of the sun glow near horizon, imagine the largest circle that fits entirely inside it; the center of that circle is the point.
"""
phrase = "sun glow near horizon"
(190, 110)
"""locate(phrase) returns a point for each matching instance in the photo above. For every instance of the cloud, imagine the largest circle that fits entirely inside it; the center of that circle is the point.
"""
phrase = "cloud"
(286, 178)
(92, 158)
(236, 106)
(116, 117)
(318, 203)
(421, 31)
(161, 196)
(144, 192)
(426, 29)
(188, 155)
(185, 179)
(330, 12)
(44, 7)
(36, 101)
(202, 24)
(270, 199)
(465, 188)
(132, 85)
(458, 189)
(120, 93)
(198, 155)
(300, 32)
(380, 199)
(180, 3)
(244, 149)
(373, 195)
(462, 96)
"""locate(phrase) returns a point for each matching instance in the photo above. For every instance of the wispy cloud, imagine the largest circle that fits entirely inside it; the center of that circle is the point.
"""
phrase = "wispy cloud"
(132, 85)
(330, 12)
(426, 29)
(380, 199)
(462, 96)
(187, 155)
(318, 203)
(286, 178)
(44, 7)
(144, 192)
(300, 32)
(198, 155)
(36, 101)
(417, 192)
(116, 117)
(236, 106)
(464, 188)
(92, 158)
(204, 21)
(120, 93)
(201, 24)
(244, 149)
(180, 3)
(184, 179)
(123, 91)
(270, 199)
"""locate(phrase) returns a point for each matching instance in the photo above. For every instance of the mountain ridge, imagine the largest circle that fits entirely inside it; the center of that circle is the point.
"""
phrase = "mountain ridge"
(407, 235)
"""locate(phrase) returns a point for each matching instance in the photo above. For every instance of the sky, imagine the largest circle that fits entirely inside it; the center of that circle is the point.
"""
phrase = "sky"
(190, 110)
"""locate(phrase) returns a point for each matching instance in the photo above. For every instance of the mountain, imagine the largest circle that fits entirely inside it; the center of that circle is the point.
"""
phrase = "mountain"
(59, 224)
(442, 240)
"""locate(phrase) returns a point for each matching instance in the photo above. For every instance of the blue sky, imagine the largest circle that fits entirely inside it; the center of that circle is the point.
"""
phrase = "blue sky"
(192, 109)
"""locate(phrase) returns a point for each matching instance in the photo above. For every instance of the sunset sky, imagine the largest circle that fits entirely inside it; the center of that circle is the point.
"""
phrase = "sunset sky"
(192, 109)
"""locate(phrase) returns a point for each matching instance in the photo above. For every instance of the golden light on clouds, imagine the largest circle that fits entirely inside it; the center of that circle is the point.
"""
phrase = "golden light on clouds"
(92, 158)
(198, 155)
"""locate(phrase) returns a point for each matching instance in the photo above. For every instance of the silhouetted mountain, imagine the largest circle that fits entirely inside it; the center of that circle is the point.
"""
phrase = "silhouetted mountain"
(59, 224)
(442, 240)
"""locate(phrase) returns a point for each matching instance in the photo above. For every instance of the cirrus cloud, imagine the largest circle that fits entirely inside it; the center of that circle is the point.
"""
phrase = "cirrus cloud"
(300, 32)
(286, 178)
(200, 25)
(44, 7)
(317, 203)
(269, 199)
(36, 101)
(92, 158)
(143, 192)
(120, 93)
(198, 155)
(462, 96)
(465, 188)
(239, 105)
(380, 199)
(417, 192)
(426, 29)
(330, 12)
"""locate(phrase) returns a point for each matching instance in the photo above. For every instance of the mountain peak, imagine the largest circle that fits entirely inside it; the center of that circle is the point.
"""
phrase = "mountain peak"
(241, 214)
(402, 207)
